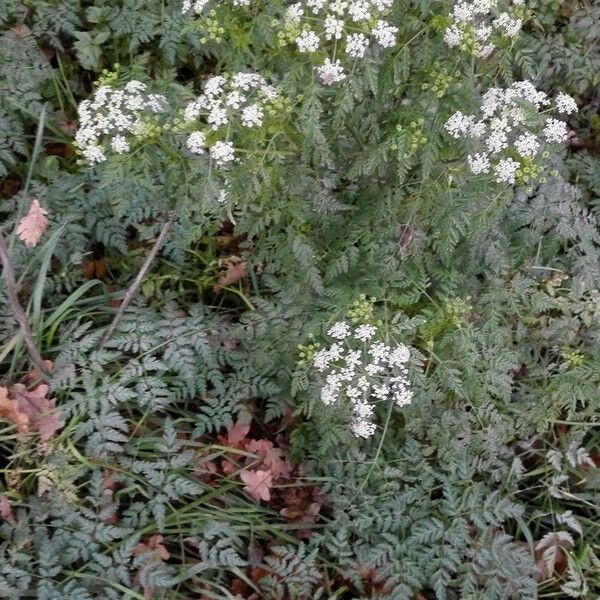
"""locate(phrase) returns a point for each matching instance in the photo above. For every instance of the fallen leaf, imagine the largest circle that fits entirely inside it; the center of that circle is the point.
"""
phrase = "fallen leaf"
(32, 226)
(33, 376)
(94, 269)
(258, 484)
(551, 554)
(30, 409)
(236, 269)
(9, 412)
(153, 544)
(5, 508)
(154, 554)
(237, 433)
(270, 456)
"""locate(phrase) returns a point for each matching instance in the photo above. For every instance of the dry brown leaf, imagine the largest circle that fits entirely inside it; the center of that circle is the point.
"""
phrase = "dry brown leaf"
(236, 269)
(5, 508)
(551, 554)
(236, 434)
(153, 544)
(30, 409)
(9, 412)
(32, 226)
(258, 484)
(270, 456)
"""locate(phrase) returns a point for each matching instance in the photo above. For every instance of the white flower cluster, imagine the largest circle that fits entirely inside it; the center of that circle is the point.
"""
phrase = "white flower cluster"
(199, 5)
(352, 25)
(475, 24)
(110, 116)
(226, 100)
(509, 130)
(360, 369)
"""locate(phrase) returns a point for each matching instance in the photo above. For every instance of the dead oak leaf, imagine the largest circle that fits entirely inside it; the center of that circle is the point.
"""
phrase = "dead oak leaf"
(33, 225)
(258, 484)
(9, 411)
(31, 409)
(270, 456)
(236, 435)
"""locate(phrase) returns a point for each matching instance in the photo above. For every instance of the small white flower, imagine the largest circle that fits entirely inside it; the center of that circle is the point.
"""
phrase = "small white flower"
(315, 5)
(506, 170)
(372, 372)
(364, 429)
(356, 45)
(381, 392)
(196, 142)
(331, 73)
(333, 28)
(399, 355)
(295, 12)
(235, 99)
(119, 144)
(382, 5)
(565, 104)
(477, 130)
(252, 116)
(93, 154)
(458, 124)
(222, 152)
(339, 330)
(453, 36)
(385, 34)
(338, 7)
(527, 145)
(217, 117)
(359, 10)
(463, 12)
(365, 332)
(497, 141)
(555, 130)
(478, 163)
(307, 41)
(110, 116)
(509, 25)
(527, 91)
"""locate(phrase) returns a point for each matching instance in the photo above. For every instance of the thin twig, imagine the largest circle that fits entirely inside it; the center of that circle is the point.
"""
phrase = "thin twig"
(133, 288)
(10, 288)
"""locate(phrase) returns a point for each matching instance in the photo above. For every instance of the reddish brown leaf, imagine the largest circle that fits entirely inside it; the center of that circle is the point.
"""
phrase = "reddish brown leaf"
(551, 554)
(31, 409)
(94, 269)
(33, 376)
(153, 544)
(32, 226)
(258, 484)
(5, 508)
(10, 412)
(270, 456)
(236, 434)
(236, 269)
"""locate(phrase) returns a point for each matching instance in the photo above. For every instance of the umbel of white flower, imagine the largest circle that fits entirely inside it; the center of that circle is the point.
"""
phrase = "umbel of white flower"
(359, 369)
(477, 25)
(349, 28)
(197, 6)
(227, 101)
(509, 131)
(109, 119)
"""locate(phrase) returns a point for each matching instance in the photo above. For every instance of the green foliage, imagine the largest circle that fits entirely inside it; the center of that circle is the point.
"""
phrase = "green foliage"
(350, 202)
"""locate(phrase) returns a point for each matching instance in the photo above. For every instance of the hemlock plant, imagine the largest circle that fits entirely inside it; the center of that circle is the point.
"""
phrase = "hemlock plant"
(360, 356)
